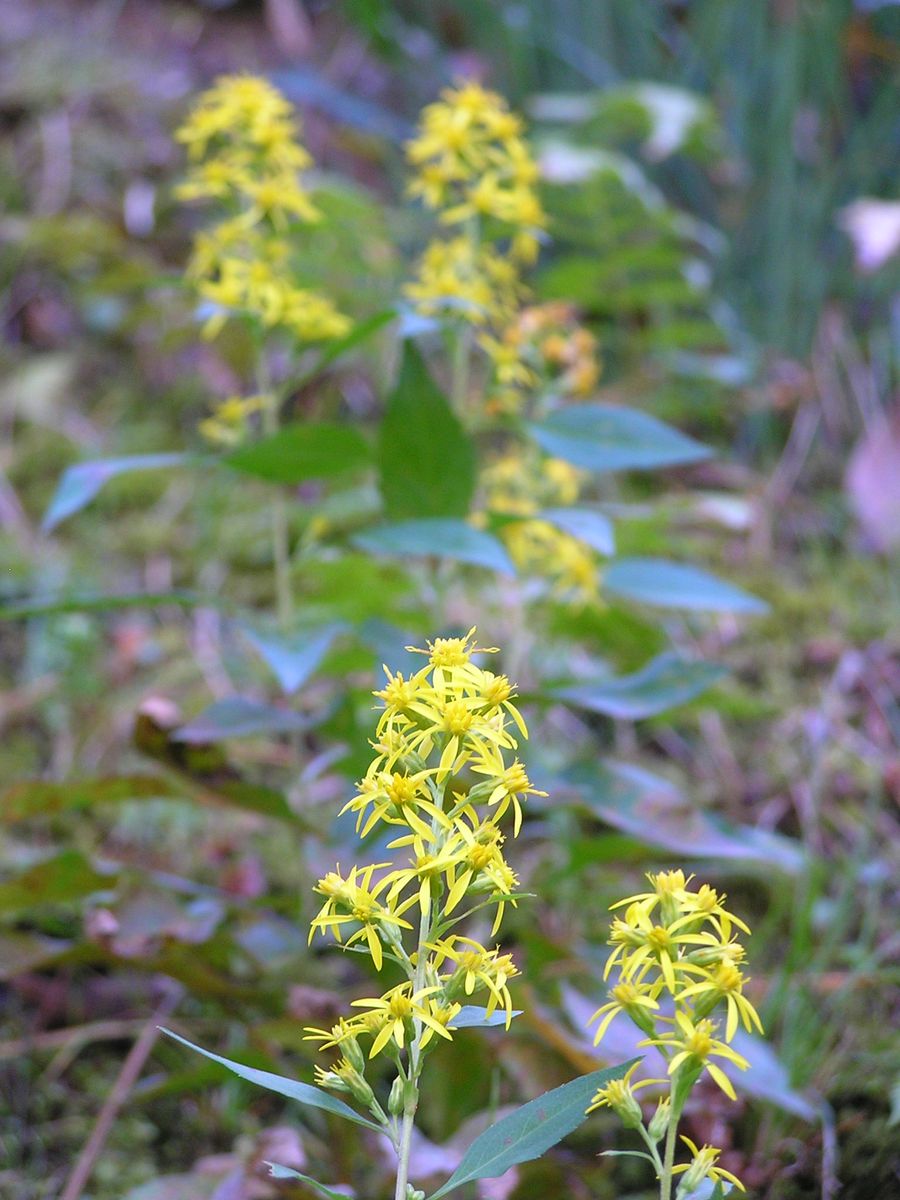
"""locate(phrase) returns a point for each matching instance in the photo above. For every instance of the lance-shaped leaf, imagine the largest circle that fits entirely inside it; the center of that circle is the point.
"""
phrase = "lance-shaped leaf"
(304, 1093)
(41, 797)
(279, 1172)
(239, 716)
(81, 483)
(293, 657)
(471, 1016)
(593, 528)
(667, 584)
(65, 877)
(607, 437)
(664, 683)
(530, 1130)
(426, 459)
(438, 536)
(300, 452)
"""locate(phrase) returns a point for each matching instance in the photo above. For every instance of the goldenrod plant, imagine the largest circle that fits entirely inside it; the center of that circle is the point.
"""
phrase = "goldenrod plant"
(446, 787)
(677, 964)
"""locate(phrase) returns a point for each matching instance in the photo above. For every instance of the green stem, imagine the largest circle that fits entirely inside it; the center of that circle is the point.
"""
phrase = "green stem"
(415, 1065)
(279, 513)
(462, 358)
(665, 1182)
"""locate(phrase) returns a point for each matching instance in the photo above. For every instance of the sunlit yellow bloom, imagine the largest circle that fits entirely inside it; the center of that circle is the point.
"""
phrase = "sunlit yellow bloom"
(463, 278)
(241, 137)
(637, 1000)
(694, 1044)
(397, 1009)
(703, 1166)
(722, 982)
(477, 967)
(471, 161)
(511, 786)
(639, 944)
(354, 900)
(618, 1095)
(229, 423)
(428, 866)
(397, 799)
(544, 355)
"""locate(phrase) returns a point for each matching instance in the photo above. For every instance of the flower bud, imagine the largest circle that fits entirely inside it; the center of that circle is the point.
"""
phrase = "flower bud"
(659, 1122)
(353, 1054)
(397, 1098)
(414, 1193)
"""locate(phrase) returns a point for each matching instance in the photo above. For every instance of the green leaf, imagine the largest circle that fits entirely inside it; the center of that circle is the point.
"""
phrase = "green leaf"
(666, 584)
(300, 452)
(304, 1093)
(278, 1172)
(81, 483)
(238, 716)
(426, 461)
(19, 610)
(607, 437)
(530, 1130)
(293, 657)
(471, 1016)
(38, 797)
(357, 335)
(593, 528)
(58, 880)
(664, 683)
(655, 811)
(440, 537)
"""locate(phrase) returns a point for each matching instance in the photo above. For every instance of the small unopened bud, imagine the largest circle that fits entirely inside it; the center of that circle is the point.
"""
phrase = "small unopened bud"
(397, 1098)
(414, 1193)
(359, 1088)
(353, 1054)
(659, 1122)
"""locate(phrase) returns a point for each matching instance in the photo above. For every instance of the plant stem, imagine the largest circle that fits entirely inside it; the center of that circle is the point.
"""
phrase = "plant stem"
(279, 514)
(415, 1065)
(459, 382)
(665, 1182)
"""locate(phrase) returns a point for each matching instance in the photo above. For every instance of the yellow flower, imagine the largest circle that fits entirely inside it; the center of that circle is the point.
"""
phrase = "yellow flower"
(397, 799)
(476, 967)
(618, 1095)
(703, 1166)
(241, 138)
(462, 278)
(694, 1045)
(397, 1009)
(229, 423)
(639, 944)
(471, 160)
(355, 901)
(722, 982)
(638, 1000)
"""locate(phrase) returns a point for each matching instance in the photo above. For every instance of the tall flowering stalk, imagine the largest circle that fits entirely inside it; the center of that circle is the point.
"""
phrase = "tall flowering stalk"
(245, 159)
(473, 168)
(443, 779)
(677, 964)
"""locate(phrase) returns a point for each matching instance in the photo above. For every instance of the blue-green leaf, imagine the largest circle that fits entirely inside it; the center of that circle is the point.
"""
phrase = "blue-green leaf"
(471, 1016)
(664, 683)
(279, 1172)
(300, 452)
(81, 483)
(530, 1130)
(607, 437)
(304, 1093)
(441, 537)
(293, 657)
(666, 584)
(593, 528)
(239, 716)
(426, 458)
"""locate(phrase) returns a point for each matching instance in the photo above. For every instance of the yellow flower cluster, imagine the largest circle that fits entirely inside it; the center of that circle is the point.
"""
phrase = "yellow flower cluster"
(543, 349)
(519, 484)
(229, 423)
(443, 777)
(242, 145)
(678, 961)
(473, 166)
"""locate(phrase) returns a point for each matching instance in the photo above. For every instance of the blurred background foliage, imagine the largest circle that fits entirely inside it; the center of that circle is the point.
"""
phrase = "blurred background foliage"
(170, 797)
